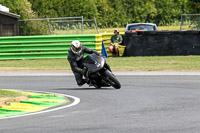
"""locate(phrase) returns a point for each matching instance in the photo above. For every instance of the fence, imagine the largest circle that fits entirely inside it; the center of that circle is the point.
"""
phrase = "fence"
(162, 43)
(190, 22)
(49, 46)
(36, 47)
(147, 43)
(57, 26)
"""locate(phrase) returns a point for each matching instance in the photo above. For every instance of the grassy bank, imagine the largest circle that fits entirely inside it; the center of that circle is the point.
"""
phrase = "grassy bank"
(6, 93)
(152, 63)
(108, 30)
(7, 96)
(156, 63)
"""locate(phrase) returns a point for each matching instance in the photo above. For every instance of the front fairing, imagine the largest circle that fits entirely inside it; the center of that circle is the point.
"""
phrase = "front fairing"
(94, 63)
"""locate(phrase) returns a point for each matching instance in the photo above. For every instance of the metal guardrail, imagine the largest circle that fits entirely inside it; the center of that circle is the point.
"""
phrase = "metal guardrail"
(48, 46)
(36, 47)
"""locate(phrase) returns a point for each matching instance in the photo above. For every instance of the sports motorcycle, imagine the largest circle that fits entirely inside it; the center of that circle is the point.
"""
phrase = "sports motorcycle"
(98, 72)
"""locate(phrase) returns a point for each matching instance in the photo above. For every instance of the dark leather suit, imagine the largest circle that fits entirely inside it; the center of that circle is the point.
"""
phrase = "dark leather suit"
(76, 63)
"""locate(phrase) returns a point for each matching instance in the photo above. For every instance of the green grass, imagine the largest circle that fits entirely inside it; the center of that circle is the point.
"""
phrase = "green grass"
(86, 31)
(40, 64)
(110, 30)
(152, 63)
(156, 63)
(10, 94)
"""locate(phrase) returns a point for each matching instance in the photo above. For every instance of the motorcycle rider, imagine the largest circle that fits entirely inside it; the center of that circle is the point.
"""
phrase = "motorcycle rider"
(75, 58)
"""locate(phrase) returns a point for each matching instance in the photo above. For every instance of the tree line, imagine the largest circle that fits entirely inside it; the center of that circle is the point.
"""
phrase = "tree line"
(109, 13)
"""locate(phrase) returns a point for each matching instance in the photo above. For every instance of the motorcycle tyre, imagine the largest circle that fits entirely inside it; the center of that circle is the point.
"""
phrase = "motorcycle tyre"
(114, 80)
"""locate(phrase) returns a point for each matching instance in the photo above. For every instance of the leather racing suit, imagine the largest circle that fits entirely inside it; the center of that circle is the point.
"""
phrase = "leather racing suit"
(76, 63)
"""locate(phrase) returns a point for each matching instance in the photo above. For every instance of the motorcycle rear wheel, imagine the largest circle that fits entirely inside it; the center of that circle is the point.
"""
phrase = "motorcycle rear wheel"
(112, 79)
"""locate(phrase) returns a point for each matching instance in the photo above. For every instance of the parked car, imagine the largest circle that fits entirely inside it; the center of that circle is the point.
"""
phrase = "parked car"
(136, 27)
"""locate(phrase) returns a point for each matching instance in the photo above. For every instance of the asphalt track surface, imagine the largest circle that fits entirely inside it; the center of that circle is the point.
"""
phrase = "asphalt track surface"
(144, 104)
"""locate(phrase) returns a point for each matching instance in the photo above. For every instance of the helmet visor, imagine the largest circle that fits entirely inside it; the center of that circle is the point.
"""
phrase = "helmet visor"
(76, 50)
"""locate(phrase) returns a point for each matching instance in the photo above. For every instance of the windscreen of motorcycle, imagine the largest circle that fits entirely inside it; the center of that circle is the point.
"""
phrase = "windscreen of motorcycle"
(94, 63)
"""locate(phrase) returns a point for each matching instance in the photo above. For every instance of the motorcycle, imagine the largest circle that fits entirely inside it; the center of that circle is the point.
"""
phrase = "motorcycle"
(98, 72)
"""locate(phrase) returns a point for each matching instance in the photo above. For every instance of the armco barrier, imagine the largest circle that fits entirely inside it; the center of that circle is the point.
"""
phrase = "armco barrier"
(152, 43)
(36, 47)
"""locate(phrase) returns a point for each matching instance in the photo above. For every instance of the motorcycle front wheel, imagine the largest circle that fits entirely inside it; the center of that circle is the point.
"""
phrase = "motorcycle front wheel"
(112, 79)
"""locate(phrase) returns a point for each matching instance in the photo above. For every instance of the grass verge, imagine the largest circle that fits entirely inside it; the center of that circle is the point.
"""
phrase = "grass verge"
(7, 96)
(150, 63)
(110, 30)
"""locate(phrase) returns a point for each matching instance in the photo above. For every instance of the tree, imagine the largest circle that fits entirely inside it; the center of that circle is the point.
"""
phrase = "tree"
(109, 13)
(140, 11)
(115, 13)
(195, 4)
(21, 7)
(24, 9)
(170, 11)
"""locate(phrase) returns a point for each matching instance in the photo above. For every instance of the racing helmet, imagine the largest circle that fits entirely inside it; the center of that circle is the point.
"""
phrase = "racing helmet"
(76, 47)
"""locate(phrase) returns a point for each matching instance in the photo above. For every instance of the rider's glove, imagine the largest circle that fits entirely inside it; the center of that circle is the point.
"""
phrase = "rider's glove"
(98, 54)
(84, 71)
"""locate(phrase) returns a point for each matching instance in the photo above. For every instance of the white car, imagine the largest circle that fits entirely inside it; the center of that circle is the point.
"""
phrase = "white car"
(135, 27)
